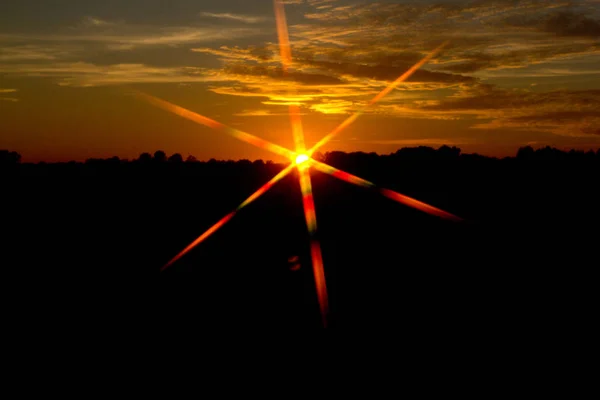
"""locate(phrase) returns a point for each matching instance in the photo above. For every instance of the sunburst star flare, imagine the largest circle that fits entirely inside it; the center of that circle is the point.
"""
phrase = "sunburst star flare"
(301, 160)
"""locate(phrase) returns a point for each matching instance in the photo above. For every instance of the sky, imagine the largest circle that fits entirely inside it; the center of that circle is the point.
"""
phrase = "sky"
(513, 73)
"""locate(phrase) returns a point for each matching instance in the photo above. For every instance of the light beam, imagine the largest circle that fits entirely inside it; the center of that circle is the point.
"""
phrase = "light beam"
(285, 51)
(202, 120)
(375, 99)
(315, 246)
(390, 194)
(229, 216)
(303, 172)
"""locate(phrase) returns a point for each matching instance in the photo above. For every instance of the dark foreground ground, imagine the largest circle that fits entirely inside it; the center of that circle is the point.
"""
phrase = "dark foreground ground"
(84, 244)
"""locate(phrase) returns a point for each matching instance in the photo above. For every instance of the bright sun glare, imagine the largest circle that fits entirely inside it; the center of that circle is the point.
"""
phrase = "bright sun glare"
(302, 158)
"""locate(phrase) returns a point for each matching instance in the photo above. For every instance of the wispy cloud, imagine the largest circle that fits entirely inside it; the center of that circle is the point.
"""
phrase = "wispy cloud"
(113, 36)
(15, 51)
(248, 19)
(259, 54)
(96, 22)
(86, 74)
(7, 91)
(160, 36)
(345, 53)
(560, 112)
(261, 113)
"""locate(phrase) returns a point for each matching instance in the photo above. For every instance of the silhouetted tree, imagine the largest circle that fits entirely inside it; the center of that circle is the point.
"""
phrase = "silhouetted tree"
(160, 156)
(448, 153)
(525, 153)
(423, 153)
(191, 159)
(576, 153)
(550, 154)
(9, 157)
(145, 157)
(176, 158)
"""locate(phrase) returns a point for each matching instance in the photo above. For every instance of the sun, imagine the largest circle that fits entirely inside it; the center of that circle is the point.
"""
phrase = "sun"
(300, 160)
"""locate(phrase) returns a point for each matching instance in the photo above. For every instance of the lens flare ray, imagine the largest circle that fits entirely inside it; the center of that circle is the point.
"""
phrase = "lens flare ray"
(202, 120)
(377, 98)
(303, 170)
(315, 246)
(229, 216)
(398, 197)
(285, 51)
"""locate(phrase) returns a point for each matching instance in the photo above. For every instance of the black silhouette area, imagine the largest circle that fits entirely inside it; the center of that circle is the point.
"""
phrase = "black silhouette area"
(85, 242)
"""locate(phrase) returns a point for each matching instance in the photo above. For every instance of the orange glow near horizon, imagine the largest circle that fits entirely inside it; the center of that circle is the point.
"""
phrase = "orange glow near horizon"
(202, 120)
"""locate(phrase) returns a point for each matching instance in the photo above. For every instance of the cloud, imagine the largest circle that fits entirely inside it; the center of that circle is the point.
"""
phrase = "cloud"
(561, 22)
(344, 54)
(388, 72)
(556, 117)
(120, 35)
(333, 106)
(571, 24)
(560, 112)
(14, 52)
(259, 54)
(261, 113)
(96, 22)
(86, 74)
(248, 19)
(7, 91)
(592, 131)
(321, 85)
(485, 35)
(277, 73)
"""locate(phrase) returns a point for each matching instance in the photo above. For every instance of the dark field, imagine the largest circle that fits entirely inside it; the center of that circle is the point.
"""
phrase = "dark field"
(85, 242)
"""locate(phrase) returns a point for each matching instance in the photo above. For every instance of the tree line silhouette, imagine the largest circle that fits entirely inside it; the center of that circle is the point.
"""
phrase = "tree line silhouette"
(420, 153)
(523, 254)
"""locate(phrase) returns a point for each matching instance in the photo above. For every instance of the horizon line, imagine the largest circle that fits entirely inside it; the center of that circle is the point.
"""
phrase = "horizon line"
(185, 159)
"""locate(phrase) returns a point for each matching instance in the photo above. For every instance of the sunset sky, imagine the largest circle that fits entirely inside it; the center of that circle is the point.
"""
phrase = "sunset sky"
(514, 73)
